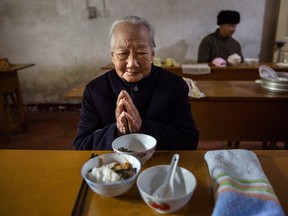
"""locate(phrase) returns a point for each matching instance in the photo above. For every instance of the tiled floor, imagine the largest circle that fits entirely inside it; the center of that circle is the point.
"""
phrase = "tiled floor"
(46, 130)
(56, 130)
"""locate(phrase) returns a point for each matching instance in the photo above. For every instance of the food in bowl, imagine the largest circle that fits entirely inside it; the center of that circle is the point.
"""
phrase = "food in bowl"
(111, 173)
(107, 186)
(123, 149)
(184, 185)
(141, 146)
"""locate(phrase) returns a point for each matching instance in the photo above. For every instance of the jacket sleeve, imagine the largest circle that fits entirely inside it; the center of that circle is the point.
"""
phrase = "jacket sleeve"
(91, 133)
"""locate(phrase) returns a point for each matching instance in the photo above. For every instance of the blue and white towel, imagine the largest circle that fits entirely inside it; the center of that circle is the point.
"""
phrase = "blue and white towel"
(240, 185)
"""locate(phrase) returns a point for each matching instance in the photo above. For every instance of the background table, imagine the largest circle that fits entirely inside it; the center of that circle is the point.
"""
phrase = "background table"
(12, 113)
(240, 110)
(35, 182)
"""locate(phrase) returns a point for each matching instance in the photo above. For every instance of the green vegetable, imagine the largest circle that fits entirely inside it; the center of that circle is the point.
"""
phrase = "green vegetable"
(123, 149)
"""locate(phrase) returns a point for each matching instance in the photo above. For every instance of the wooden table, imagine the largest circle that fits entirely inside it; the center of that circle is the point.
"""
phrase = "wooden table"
(11, 98)
(240, 110)
(239, 72)
(37, 182)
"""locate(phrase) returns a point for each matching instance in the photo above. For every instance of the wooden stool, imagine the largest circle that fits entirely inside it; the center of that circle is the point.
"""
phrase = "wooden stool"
(12, 114)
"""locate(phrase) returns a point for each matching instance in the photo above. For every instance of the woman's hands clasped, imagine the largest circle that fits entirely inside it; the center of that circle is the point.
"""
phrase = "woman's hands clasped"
(127, 116)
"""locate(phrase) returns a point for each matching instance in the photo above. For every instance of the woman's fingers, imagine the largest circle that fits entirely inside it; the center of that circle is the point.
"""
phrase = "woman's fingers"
(127, 115)
(122, 123)
(134, 124)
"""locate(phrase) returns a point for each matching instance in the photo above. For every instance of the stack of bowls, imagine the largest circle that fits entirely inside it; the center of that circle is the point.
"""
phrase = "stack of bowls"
(272, 81)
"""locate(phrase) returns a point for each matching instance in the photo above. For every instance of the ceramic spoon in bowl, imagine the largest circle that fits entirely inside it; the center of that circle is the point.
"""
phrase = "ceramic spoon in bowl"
(166, 189)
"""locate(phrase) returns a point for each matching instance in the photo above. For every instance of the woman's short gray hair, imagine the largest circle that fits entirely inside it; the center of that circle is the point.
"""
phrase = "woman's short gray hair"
(133, 20)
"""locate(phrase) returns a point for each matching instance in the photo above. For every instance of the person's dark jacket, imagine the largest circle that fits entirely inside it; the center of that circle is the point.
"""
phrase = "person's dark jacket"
(215, 46)
(161, 99)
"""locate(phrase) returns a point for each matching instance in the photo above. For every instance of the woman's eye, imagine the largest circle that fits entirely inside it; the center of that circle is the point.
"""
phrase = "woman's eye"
(122, 55)
(142, 54)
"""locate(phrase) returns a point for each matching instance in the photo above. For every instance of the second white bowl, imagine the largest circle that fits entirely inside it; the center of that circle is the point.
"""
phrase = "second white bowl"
(150, 179)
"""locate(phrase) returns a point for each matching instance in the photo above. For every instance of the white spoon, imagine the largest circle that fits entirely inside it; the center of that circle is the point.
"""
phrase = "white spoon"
(166, 189)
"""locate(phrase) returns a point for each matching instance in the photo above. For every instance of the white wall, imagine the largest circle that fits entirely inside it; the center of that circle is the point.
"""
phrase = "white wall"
(69, 48)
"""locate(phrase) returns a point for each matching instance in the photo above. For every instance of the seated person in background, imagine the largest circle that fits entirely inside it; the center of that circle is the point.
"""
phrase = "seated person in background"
(220, 45)
(136, 96)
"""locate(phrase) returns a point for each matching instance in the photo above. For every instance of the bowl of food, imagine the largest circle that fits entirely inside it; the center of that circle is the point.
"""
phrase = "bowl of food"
(151, 179)
(111, 175)
(141, 146)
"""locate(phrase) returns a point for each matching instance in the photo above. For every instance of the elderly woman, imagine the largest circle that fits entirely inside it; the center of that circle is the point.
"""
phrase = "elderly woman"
(136, 96)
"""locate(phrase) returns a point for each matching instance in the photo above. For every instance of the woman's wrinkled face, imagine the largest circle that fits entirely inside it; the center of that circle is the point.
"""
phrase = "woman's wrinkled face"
(132, 54)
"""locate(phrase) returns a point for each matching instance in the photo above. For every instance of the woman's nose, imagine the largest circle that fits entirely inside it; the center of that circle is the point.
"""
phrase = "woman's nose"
(132, 60)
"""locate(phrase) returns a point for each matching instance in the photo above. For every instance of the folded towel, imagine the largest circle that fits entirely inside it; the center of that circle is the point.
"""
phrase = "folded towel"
(240, 185)
(234, 59)
(196, 69)
(193, 89)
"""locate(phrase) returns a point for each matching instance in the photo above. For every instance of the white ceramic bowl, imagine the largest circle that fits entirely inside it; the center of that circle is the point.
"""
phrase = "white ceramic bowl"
(142, 146)
(115, 189)
(282, 64)
(251, 61)
(150, 179)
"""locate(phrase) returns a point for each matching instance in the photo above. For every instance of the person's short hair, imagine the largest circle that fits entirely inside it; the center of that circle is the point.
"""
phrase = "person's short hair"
(228, 17)
(137, 21)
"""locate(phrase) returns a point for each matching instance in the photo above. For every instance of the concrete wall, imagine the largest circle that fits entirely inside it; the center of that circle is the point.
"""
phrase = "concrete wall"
(69, 48)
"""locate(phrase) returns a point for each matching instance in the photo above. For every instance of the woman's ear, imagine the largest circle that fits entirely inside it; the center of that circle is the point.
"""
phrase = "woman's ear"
(112, 57)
